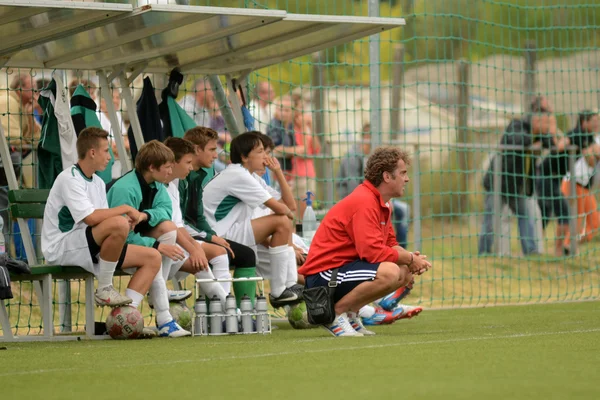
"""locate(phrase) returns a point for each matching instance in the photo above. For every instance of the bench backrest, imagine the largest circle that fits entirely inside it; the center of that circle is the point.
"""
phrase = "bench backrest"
(28, 203)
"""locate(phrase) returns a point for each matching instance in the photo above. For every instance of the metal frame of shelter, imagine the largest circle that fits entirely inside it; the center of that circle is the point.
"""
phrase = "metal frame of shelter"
(122, 41)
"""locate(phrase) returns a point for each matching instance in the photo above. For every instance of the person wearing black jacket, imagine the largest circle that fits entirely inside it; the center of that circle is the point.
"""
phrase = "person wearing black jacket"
(517, 172)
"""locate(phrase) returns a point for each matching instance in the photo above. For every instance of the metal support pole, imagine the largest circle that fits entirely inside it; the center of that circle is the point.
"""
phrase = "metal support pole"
(324, 164)
(114, 122)
(497, 193)
(236, 106)
(416, 183)
(131, 111)
(463, 133)
(375, 81)
(573, 212)
(396, 95)
(530, 70)
(232, 124)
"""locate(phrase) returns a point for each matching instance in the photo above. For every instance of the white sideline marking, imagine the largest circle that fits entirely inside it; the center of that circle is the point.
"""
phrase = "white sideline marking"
(285, 353)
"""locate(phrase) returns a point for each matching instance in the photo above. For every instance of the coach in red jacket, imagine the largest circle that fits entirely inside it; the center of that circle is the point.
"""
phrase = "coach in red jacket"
(356, 236)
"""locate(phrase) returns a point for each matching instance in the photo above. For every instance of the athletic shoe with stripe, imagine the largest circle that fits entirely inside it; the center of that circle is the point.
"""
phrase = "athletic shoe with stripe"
(109, 296)
(341, 327)
(391, 301)
(357, 325)
(384, 317)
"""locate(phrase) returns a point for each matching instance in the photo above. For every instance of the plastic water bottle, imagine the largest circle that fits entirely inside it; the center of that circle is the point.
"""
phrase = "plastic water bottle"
(262, 318)
(2, 240)
(231, 321)
(216, 315)
(246, 308)
(309, 219)
(200, 323)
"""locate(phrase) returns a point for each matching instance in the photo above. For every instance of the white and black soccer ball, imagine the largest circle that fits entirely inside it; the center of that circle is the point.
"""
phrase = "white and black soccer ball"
(182, 314)
(125, 323)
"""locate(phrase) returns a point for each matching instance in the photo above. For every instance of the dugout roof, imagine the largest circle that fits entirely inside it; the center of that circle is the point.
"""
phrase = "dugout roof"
(156, 38)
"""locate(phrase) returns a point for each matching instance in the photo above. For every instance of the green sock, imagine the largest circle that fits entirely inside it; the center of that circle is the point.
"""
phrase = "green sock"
(242, 288)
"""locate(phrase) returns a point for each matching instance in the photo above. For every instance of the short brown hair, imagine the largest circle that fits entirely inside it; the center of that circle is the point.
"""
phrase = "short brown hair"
(153, 154)
(384, 159)
(201, 135)
(89, 138)
(266, 140)
(180, 147)
(89, 86)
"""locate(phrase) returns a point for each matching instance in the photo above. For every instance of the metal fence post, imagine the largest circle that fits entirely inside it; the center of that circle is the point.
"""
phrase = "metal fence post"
(573, 212)
(416, 163)
(497, 193)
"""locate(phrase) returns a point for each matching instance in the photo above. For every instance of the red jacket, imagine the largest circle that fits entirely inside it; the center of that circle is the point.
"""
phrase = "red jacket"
(359, 227)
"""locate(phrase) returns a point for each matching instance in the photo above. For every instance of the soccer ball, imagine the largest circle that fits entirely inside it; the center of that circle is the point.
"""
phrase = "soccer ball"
(124, 323)
(298, 318)
(182, 315)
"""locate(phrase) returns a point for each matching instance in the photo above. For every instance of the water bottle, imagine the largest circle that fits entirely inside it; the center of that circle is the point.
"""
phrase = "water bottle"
(200, 323)
(231, 321)
(262, 318)
(216, 315)
(309, 219)
(246, 308)
(2, 240)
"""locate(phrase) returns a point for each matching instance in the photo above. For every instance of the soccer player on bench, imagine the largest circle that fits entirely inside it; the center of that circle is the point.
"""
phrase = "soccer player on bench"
(229, 201)
(191, 192)
(79, 228)
(198, 254)
(143, 188)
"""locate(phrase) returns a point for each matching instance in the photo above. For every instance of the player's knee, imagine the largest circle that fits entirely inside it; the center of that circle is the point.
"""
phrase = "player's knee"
(154, 260)
(283, 223)
(405, 276)
(165, 227)
(118, 226)
(389, 273)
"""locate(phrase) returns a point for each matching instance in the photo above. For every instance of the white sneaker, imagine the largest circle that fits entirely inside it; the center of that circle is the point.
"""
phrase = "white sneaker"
(109, 296)
(341, 327)
(357, 325)
(179, 295)
(174, 296)
(173, 330)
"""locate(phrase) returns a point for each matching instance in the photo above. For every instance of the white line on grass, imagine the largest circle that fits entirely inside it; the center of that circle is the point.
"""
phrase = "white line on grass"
(303, 351)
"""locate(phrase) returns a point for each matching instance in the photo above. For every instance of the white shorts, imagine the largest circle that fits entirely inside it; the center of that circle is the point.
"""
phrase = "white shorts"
(242, 233)
(74, 250)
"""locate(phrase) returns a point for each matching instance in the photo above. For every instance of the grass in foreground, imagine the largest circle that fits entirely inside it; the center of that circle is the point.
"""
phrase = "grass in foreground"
(523, 352)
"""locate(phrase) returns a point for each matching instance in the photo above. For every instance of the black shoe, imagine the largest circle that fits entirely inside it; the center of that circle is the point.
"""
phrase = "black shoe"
(288, 297)
(298, 289)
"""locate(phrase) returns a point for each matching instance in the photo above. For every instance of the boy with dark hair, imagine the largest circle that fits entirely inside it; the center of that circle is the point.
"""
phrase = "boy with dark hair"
(143, 188)
(80, 229)
(191, 191)
(229, 201)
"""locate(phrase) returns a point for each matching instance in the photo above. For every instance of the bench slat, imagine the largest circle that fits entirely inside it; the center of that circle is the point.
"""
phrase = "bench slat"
(32, 210)
(28, 195)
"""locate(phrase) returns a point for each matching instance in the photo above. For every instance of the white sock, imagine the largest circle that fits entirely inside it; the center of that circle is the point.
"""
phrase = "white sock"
(106, 270)
(292, 269)
(220, 269)
(167, 238)
(366, 311)
(135, 296)
(160, 299)
(279, 257)
(211, 288)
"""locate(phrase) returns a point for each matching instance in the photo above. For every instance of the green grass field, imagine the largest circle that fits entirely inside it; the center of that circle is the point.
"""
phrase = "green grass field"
(515, 352)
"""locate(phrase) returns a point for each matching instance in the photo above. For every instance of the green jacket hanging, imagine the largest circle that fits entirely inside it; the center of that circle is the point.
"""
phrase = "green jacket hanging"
(57, 148)
(83, 113)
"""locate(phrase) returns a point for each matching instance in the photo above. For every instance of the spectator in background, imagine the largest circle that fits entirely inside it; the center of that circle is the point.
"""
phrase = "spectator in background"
(550, 200)
(588, 218)
(302, 177)
(281, 130)
(350, 174)
(261, 107)
(20, 126)
(37, 110)
(198, 104)
(518, 167)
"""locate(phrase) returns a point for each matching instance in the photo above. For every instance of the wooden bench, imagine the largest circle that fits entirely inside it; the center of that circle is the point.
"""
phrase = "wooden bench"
(29, 204)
